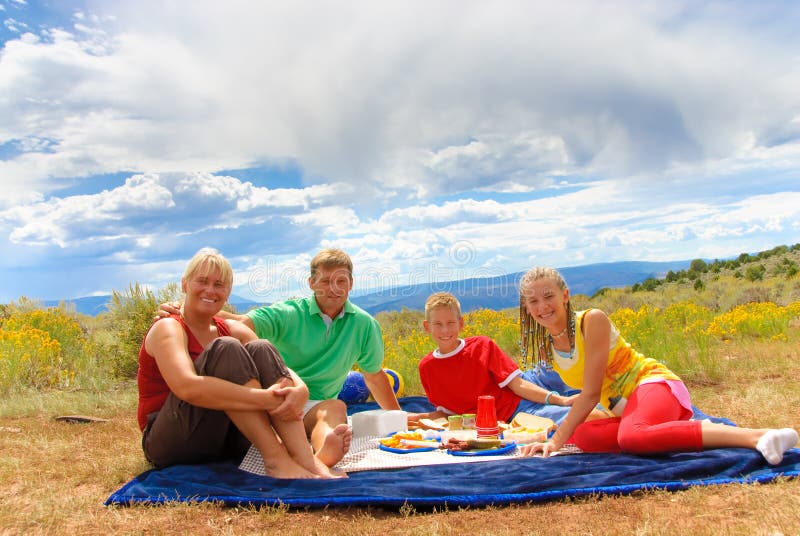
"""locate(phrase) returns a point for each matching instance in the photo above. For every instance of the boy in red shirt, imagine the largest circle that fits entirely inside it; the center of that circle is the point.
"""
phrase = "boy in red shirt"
(460, 370)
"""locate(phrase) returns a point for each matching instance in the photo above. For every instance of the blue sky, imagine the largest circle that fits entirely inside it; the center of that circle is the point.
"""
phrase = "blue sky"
(431, 140)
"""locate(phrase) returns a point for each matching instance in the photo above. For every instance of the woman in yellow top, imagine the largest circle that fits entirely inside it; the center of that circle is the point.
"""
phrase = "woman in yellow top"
(651, 405)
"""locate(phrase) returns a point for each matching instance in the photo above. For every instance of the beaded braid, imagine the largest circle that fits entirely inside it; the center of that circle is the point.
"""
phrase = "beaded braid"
(533, 335)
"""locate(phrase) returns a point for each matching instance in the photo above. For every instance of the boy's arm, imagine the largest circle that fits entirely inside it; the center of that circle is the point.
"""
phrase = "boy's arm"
(534, 393)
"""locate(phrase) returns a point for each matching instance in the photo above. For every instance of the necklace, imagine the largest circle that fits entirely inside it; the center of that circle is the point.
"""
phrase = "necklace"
(571, 329)
(560, 334)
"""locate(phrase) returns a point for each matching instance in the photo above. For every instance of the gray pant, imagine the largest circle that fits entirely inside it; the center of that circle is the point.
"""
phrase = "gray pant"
(182, 433)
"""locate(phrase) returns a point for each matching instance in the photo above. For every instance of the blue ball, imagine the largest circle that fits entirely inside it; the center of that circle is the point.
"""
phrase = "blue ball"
(354, 390)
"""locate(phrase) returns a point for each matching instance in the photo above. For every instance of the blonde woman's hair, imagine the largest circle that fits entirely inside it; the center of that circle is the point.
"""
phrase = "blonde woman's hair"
(532, 335)
(331, 258)
(207, 260)
(441, 299)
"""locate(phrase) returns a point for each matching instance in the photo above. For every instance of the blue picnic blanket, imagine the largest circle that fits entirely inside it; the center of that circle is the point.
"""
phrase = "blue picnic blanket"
(498, 482)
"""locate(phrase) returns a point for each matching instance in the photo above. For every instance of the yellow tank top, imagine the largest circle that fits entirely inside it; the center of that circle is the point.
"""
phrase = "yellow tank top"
(626, 367)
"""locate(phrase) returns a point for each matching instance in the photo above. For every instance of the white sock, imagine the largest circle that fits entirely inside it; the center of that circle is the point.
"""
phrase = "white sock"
(774, 443)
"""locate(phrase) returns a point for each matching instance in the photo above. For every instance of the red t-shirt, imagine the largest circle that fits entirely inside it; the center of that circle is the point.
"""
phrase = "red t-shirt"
(153, 390)
(456, 381)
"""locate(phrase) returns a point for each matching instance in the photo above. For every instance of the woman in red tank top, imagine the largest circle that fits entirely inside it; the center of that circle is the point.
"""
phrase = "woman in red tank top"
(209, 388)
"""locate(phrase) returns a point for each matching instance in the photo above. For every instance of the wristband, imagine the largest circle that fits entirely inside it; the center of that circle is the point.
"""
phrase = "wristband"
(548, 395)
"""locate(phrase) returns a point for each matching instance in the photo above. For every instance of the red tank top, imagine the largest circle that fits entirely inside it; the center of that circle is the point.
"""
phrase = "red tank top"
(153, 390)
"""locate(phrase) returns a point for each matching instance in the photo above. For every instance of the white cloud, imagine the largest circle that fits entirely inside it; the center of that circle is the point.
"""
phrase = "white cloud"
(145, 204)
(15, 26)
(464, 97)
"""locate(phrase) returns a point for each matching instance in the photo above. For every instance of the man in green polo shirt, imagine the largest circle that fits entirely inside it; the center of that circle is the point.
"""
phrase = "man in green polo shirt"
(321, 337)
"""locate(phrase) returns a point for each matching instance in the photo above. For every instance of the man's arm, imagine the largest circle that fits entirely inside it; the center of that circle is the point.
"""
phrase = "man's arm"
(378, 384)
(244, 319)
(174, 308)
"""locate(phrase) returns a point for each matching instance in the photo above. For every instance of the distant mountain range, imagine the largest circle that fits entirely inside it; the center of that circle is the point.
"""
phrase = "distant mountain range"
(496, 293)
(502, 292)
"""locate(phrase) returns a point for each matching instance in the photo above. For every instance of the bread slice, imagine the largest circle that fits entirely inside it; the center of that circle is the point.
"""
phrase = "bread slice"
(532, 422)
(434, 424)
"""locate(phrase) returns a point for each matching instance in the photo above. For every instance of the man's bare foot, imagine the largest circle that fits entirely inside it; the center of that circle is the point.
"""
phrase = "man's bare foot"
(336, 445)
(287, 469)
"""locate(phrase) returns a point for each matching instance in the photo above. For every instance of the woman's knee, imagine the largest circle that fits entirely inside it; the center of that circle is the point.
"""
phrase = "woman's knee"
(268, 361)
(263, 348)
(597, 436)
(228, 359)
(226, 343)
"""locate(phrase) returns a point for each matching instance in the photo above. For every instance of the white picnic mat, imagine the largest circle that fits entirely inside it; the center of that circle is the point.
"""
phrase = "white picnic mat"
(364, 455)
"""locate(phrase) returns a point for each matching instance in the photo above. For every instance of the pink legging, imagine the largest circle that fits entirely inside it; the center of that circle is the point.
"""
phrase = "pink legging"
(653, 421)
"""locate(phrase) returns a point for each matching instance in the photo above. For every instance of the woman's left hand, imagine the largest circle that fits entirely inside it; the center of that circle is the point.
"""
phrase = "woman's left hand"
(547, 448)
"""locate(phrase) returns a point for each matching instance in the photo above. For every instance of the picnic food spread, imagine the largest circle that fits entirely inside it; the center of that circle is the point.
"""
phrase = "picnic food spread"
(478, 443)
(457, 435)
(408, 441)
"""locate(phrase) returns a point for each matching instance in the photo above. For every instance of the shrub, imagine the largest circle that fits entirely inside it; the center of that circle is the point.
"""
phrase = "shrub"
(129, 316)
(675, 335)
(698, 265)
(755, 272)
(502, 327)
(403, 355)
(46, 348)
(761, 320)
(399, 324)
(699, 285)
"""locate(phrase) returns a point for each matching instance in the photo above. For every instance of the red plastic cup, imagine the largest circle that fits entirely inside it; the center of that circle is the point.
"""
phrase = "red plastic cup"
(486, 418)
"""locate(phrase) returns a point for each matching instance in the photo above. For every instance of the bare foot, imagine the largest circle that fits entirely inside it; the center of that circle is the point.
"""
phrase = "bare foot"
(287, 469)
(318, 467)
(336, 445)
(327, 472)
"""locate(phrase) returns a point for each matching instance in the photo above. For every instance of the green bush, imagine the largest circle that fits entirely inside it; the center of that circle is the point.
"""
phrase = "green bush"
(755, 272)
(129, 316)
(698, 265)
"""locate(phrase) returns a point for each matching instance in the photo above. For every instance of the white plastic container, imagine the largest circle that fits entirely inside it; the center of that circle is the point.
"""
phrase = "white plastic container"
(378, 422)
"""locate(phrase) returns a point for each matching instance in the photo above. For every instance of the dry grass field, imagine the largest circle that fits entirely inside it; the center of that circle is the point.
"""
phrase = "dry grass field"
(54, 477)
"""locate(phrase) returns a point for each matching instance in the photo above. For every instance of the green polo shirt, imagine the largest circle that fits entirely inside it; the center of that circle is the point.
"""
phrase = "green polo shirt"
(321, 355)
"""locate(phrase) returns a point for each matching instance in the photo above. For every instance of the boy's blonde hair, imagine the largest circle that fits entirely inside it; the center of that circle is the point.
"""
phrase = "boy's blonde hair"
(331, 258)
(441, 299)
(206, 260)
